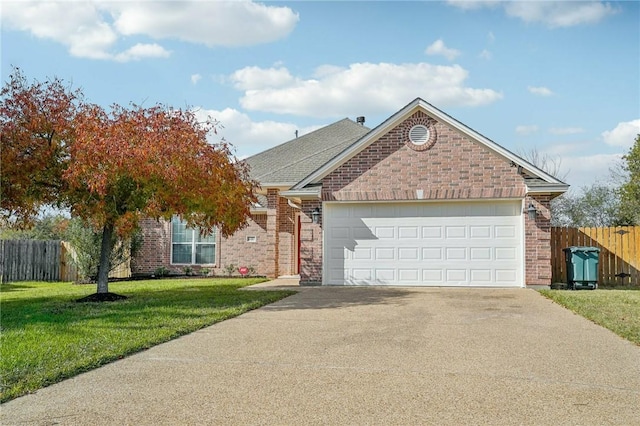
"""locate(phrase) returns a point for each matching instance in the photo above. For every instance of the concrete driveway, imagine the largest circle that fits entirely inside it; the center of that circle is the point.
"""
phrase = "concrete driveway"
(365, 356)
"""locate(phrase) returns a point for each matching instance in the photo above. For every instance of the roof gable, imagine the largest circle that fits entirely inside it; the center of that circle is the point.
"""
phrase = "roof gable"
(550, 183)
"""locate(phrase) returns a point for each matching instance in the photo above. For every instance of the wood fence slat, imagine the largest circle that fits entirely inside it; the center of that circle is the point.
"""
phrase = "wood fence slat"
(619, 252)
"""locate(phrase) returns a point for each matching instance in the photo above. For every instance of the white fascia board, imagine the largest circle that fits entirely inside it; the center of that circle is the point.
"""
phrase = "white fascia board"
(258, 210)
(303, 194)
(398, 117)
(277, 185)
(546, 189)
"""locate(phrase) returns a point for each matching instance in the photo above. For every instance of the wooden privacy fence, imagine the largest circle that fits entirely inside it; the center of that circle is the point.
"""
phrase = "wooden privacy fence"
(619, 257)
(37, 260)
(30, 260)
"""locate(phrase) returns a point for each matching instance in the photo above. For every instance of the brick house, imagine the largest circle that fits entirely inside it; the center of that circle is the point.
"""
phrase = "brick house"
(421, 199)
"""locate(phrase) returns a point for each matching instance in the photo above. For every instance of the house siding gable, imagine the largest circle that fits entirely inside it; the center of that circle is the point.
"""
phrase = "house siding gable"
(454, 167)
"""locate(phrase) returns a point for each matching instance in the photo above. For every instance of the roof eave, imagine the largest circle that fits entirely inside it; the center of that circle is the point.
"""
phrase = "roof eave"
(297, 196)
(548, 189)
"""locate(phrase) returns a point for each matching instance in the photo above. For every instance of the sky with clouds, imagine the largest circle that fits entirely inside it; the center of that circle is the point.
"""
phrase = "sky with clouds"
(562, 78)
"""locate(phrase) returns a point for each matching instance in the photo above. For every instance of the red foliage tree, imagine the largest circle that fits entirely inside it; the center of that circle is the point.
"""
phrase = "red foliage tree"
(36, 131)
(120, 166)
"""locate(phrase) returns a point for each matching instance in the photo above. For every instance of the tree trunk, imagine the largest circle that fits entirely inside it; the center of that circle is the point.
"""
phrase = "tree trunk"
(105, 254)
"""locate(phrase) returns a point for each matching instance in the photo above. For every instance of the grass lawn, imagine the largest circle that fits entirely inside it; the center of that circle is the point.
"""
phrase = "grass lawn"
(617, 310)
(46, 336)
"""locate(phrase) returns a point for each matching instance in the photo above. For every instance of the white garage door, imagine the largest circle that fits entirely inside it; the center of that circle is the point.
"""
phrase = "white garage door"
(427, 244)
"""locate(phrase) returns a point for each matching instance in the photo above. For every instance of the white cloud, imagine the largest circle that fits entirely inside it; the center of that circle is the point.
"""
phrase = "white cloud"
(438, 48)
(94, 29)
(554, 14)
(474, 4)
(566, 130)
(588, 169)
(624, 134)
(526, 130)
(363, 88)
(560, 13)
(142, 51)
(486, 55)
(540, 91)
(213, 23)
(250, 137)
(251, 78)
(195, 78)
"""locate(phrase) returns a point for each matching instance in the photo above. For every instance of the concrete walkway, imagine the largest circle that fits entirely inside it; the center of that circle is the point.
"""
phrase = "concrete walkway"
(365, 356)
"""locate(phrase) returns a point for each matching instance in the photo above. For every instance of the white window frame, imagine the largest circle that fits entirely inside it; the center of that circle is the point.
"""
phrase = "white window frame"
(193, 243)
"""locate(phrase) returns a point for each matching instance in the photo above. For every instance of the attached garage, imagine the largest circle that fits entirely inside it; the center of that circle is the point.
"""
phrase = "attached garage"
(460, 243)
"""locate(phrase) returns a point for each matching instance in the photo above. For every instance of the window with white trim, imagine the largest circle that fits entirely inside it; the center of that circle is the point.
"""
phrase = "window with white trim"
(189, 246)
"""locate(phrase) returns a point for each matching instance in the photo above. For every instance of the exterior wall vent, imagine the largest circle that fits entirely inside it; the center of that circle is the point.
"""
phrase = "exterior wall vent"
(419, 134)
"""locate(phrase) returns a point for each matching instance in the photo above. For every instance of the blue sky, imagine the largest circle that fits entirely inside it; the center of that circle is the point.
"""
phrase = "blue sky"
(559, 77)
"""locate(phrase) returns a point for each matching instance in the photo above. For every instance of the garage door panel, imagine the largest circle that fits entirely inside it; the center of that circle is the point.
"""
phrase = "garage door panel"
(505, 231)
(505, 253)
(385, 276)
(455, 253)
(340, 232)
(363, 253)
(408, 232)
(409, 275)
(505, 275)
(362, 274)
(424, 243)
(456, 232)
(477, 232)
(456, 276)
(431, 253)
(338, 254)
(385, 253)
(408, 253)
(385, 232)
(432, 276)
(432, 232)
(481, 276)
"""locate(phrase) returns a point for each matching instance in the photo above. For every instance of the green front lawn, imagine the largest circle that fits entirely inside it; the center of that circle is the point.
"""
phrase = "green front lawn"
(46, 336)
(617, 310)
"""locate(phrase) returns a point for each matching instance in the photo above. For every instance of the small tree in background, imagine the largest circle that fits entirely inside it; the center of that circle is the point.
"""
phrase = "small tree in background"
(47, 227)
(597, 205)
(86, 243)
(630, 190)
(550, 164)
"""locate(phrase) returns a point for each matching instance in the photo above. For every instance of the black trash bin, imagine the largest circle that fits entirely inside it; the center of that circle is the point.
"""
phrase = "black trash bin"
(582, 267)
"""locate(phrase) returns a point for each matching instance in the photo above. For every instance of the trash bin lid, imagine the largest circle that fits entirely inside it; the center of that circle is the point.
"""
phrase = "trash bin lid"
(581, 249)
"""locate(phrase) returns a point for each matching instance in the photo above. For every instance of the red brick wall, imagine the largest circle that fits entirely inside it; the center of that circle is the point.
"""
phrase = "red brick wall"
(453, 168)
(538, 241)
(287, 264)
(237, 251)
(310, 245)
(156, 249)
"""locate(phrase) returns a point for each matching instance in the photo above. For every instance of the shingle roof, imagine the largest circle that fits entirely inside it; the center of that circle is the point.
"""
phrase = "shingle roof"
(294, 160)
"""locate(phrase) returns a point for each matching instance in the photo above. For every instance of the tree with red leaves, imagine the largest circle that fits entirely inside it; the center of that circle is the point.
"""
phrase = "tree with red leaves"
(36, 123)
(116, 167)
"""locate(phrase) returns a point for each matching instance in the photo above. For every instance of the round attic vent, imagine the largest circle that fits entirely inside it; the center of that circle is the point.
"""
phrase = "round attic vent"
(419, 134)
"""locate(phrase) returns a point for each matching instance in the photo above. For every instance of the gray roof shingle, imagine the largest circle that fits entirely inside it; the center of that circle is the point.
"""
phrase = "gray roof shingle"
(294, 160)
